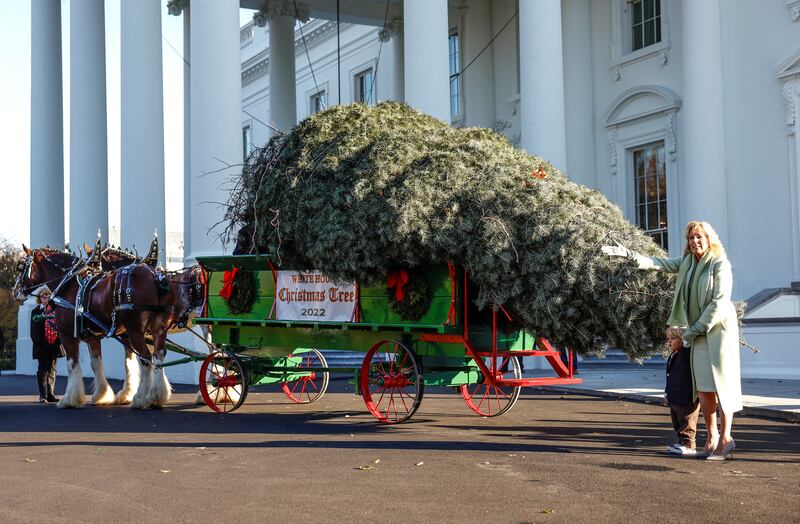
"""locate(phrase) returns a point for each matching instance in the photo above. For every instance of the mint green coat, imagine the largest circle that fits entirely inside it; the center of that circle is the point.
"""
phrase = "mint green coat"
(713, 283)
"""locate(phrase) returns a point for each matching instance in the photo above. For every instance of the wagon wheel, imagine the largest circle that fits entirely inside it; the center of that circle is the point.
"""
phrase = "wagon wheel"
(223, 383)
(391, 381)
(491, 400)
(312, 386)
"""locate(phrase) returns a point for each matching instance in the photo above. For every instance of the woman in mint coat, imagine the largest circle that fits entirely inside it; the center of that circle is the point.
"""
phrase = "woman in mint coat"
(703, 305)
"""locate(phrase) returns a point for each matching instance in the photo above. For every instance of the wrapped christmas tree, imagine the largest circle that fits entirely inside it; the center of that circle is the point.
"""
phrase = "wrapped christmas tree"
(359, 191)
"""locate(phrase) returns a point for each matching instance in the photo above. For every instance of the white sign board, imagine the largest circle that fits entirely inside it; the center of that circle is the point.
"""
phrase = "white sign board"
(313, 296)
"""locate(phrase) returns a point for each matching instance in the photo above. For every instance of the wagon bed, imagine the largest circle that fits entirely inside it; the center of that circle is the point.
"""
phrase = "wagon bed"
(451, 344)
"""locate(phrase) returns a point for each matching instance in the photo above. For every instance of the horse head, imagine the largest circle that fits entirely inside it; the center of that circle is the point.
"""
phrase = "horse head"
(41, 266)
(191, 286)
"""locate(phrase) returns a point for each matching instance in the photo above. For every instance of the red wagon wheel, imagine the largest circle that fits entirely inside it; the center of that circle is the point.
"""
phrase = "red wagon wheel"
(490, 400)
(223, 383)
(391, 382)
(312, 386)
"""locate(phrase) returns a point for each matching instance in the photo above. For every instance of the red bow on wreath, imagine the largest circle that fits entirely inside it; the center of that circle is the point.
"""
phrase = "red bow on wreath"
(227, 283)
(398, 280)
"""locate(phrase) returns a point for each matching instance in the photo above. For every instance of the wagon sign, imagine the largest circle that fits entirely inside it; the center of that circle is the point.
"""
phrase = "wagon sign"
(313, 296)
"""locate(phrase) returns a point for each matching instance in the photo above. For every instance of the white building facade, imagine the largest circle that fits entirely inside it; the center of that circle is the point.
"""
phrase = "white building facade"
(676, 110)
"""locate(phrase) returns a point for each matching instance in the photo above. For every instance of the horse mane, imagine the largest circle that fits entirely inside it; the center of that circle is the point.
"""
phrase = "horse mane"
(116, 254)
(56, 255)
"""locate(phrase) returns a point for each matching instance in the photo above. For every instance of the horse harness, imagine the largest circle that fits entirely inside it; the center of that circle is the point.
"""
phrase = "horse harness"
(122, 295)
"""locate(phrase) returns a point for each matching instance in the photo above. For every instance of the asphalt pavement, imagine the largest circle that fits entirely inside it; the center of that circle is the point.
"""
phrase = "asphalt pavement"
(555, 457)
(773, 398)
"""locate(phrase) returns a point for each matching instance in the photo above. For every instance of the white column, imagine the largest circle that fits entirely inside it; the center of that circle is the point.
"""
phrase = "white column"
(47, 127)
(88, 166)
(398, 60)
(541, 69)
(216, 134)
(142, 122)
(427, 75)
(477, 82)
(187, 132)
(282, 84)
(394, 34)
(791, 93)
(578, 89)
(705, 195)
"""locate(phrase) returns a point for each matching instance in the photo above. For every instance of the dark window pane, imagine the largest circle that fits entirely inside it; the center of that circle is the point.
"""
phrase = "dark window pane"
(658, 7)
(637, 12)
(641, 218)
(665, 241)
(637, 37)
(658, 29)
(652, 215)
(638, 159)
(640, 196)
(652, 188)
(649, 11)
(663, 210)
(649, 32)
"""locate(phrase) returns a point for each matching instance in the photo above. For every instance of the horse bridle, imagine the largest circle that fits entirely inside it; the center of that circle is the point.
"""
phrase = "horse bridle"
(25, 267)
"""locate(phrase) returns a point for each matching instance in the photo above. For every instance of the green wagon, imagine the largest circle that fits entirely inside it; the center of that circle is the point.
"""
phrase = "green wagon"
(452, 344)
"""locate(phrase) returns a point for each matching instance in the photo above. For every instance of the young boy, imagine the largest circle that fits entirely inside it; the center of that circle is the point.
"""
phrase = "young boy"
(683, 407)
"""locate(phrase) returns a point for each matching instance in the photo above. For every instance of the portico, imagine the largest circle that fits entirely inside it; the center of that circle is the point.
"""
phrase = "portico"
(540, 72)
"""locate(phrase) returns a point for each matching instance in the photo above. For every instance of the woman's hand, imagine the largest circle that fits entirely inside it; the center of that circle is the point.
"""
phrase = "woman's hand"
(615, 251)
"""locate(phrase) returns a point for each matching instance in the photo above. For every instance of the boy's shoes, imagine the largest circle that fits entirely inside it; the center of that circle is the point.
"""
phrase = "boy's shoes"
(678, 449)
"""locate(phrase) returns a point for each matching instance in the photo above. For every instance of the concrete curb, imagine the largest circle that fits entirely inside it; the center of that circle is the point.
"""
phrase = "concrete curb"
(754, 411)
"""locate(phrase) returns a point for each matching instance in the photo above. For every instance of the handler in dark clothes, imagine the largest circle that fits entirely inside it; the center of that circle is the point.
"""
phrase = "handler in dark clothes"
(683, 407)
(46, 347)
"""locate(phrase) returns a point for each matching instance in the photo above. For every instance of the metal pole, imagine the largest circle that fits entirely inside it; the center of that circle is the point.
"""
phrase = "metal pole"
(338, 54)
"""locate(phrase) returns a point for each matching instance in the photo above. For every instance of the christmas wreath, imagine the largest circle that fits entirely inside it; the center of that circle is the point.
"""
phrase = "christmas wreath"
(408, 294)
(239, 290)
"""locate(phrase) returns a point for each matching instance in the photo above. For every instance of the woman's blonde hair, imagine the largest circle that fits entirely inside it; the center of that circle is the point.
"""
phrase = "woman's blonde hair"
(674, 331)
(42, 290)
(714, 244)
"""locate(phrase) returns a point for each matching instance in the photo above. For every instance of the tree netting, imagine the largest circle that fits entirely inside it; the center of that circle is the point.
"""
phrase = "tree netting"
(358, 191)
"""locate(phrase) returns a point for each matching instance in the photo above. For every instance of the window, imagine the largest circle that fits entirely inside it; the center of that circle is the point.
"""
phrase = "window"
(364, 86)
(650, 191)
(247, 141)
(318, 102)
(455, 75)
(645, 16)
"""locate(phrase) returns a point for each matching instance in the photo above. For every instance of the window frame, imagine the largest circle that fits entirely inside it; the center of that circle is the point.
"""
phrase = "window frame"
(630, 43)
(639, 116)
(622, 52)
(361, 73)
(247, 139)
(635, 202)
(322, 95)
(459, 114)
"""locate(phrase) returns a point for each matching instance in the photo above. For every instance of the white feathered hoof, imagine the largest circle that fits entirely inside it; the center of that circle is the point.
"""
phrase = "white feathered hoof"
(140, 399)
(132, 380)
(74, 396)
(199, 400)
(103, 395)
(160, 390)
(124, 397)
